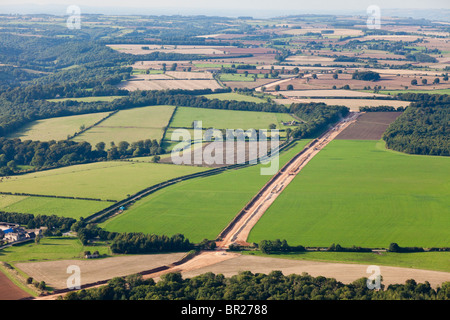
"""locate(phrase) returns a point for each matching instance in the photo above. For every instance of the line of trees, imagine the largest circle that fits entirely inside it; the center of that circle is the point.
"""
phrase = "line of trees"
(381, 109)
(55, 224)
(268, 247)
(132, 243)
(318, 117)
(15, 153)
(249, 286)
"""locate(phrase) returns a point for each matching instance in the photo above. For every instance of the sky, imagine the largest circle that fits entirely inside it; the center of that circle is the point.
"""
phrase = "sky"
(257, 8)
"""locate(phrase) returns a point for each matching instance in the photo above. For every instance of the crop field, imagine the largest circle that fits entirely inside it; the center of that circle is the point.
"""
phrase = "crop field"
(352, 104)
(137, 49)
(56, 128)
(328, 93)
(358, 193)
(130, 125)
(200, 208)
(369, 126)
(72, 208)
(228, 119)
(417, 260)
(50, 248)
(170, 84)
(102, 180)
(238, 77)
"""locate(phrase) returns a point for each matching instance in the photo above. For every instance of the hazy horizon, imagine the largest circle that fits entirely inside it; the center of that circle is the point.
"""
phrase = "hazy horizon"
(232, 8)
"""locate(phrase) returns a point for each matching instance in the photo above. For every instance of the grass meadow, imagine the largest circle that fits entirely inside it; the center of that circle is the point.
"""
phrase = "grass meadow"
(130, 125)
(56, 128)
(72, 208)
(358, 193)
(228, 119)
(101, 180)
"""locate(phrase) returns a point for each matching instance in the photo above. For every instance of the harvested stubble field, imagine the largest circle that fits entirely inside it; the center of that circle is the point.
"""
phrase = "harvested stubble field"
(54, 273)
(137, 49)
(344, 272)
(328, 93)
(169, 84)
(369, 126)
(352, 104)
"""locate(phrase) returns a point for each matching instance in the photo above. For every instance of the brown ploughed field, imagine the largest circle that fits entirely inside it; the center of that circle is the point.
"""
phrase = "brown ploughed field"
(369, 126)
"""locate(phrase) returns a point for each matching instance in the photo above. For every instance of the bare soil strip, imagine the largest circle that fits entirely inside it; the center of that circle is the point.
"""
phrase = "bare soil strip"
(9, 291)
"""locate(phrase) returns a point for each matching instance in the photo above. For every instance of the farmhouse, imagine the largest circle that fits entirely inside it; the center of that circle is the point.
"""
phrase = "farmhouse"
(12, 233)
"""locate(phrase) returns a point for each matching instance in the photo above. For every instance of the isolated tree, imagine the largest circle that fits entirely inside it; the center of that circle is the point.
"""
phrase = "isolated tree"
(424, 81)
(277, 87)
(335, 76)
(414, 82)
(290, 87)
(100, 146)
(436, 81)
(156, 159)
(272, 126)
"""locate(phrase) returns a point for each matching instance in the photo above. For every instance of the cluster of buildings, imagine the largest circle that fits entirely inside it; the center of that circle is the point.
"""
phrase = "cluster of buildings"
(10, 233)
(290, 123)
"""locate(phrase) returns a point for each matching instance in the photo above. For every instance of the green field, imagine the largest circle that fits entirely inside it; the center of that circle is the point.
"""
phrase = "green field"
(419, 260)
(357, 193)
(102, 180)
(239, 77)
(234, 96)
(50, 248)
(130, 125)
(228, 119)
(56, 128)
(72, 208)
(198, 208)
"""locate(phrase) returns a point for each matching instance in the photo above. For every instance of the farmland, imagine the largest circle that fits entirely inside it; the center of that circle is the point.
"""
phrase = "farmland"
(130, 125)
(57, 128)
(102, 180)
(369, 126)
(357, 193)
(52, 206)
(125, 83)
(228, 119)
(200, 208)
